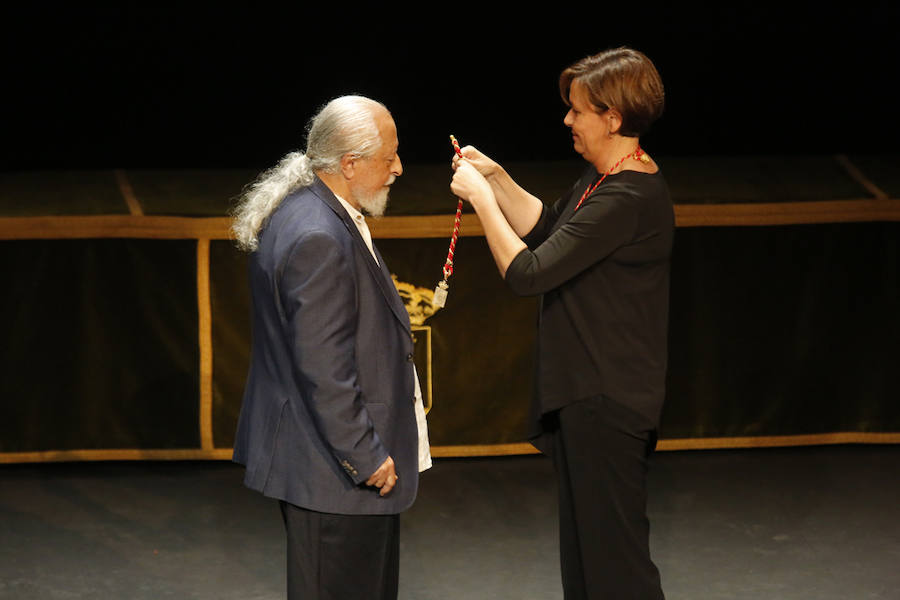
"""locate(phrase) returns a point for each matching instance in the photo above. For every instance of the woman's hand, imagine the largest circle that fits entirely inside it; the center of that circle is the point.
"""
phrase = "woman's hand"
(470, 185)
(482, 163)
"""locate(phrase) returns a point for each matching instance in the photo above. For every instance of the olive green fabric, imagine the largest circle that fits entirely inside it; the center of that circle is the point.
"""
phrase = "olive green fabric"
(99, 345)
(60, 193)
(775, 330)
(188, 192)
(883, 171)
(753, 179)
(784, 331)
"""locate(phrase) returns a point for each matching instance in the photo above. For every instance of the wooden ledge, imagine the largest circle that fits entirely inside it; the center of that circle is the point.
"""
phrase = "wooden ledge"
(440, 226)
(469, 451)
(787, 213)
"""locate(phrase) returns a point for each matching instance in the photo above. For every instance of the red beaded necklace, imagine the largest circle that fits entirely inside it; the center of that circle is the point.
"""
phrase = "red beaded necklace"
(638, 154)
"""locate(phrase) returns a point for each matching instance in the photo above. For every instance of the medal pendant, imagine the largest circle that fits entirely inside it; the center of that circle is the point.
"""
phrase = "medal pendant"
(440, 295)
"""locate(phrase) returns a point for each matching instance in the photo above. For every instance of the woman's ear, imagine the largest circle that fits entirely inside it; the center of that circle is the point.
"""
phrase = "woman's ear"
(614, 122)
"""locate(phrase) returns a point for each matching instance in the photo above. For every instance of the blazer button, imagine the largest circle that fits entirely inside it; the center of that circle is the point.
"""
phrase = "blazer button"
(409, 357)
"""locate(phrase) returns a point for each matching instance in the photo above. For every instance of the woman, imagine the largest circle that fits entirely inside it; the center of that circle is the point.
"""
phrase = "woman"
(600, 259)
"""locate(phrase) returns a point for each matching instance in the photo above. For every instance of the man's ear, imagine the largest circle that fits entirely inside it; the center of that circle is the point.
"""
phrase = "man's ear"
(348, 166)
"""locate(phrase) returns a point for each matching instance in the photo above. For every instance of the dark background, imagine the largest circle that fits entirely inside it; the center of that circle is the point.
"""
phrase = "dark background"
(154, 86)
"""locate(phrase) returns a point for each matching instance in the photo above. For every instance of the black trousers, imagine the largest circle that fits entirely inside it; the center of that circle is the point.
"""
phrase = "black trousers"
(341, 557)
(600, 450)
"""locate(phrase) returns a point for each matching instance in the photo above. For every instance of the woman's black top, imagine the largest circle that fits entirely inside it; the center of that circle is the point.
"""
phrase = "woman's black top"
(603, 271)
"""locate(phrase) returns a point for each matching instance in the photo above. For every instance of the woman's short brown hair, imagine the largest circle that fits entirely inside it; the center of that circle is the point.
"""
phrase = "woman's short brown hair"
(623, 79)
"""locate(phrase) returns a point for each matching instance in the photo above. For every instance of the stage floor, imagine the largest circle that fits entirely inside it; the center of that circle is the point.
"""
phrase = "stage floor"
(803, 523)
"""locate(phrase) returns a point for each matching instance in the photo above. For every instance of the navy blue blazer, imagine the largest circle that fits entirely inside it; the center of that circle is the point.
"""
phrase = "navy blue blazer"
(330, 392)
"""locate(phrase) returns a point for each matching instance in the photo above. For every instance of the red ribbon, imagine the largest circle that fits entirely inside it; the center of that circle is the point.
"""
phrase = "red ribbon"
(448, 266)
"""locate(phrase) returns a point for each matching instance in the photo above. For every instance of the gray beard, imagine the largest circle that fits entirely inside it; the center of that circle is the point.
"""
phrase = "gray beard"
(373, 205)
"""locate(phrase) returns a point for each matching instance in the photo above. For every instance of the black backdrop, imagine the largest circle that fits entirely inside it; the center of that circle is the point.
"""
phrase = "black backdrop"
(216, 86)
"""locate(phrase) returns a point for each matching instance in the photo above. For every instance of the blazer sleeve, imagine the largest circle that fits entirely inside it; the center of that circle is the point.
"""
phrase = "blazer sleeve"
(319, 296)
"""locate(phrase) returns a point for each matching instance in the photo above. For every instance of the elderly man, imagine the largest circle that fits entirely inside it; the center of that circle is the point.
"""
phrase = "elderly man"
(330, 425)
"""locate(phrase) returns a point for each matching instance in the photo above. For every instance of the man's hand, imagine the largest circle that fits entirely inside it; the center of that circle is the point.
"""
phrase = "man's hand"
(384, 478)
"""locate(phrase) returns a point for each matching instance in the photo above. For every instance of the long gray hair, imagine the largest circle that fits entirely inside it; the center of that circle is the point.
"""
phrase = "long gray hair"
(346, 125)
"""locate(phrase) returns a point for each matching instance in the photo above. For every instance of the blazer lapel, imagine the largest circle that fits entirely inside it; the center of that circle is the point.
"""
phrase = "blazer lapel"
(378, 270)
(393, 297)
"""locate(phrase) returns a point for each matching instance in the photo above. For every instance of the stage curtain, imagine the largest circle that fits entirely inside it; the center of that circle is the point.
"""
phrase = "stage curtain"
(99, 345)
(125, 312)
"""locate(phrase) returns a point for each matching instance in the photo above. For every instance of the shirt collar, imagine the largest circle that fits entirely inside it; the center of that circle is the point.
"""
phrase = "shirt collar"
(357, 216)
